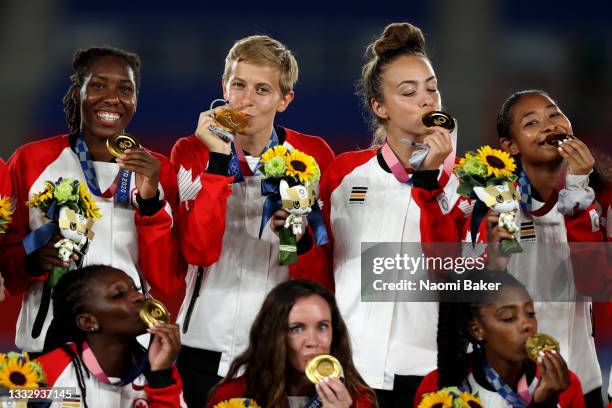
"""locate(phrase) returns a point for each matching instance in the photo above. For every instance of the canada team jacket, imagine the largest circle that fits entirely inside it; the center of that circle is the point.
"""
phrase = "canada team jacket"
(476, 383)
(546, 243)
(61, 374)
(124, 238)
(231, 269)
(5, 191)
(364, 202)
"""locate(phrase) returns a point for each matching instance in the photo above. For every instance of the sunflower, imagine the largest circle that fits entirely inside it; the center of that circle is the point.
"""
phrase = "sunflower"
(88, 205)
(276, 151)
(499, 163)
(301, 166)
(41, 199)
(20, 372)
(440, 399)
(6, 213)
(237, 403)
(471, 401)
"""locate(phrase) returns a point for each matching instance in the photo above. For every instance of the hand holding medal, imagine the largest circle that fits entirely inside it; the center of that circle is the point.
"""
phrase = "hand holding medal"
(165, 343)
(132, 157)
(218, 126)
(554, 374)
(574, 151)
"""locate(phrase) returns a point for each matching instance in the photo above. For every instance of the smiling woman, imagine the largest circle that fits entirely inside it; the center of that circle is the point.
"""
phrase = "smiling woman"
(298, 321)
(135, 192)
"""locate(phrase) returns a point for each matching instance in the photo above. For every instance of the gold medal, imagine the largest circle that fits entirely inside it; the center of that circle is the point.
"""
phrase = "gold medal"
(438, 118)
(231, 120)
(540, 342)
(555, 139)
(323, 366)
(153, 312)
(120, 142)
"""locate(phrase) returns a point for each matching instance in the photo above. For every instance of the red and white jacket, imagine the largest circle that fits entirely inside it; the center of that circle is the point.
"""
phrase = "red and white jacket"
(60, 372)
(124, 238)
(236, 388)
(5, 191)
(575, 270)
(364, 202)
(231, 269)
(570, 398)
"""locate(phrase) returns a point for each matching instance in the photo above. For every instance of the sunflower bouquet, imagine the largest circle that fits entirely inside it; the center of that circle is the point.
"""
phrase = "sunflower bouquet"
(237, 403)
(69, 207)
(290, 177)
(17, 371)
(487, 176)
(450, 397)
(7, 208)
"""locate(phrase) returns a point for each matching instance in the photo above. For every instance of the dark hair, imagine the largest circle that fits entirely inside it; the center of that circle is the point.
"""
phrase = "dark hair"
(504, 117)
(265, 359)
(453, 337)
(602, 172)
(68, 302)
(80, 62)
(397, 39)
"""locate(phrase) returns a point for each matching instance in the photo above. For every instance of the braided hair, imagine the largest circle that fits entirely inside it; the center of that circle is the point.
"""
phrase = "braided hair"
(453, 337)
(80, 62)
(68, 302)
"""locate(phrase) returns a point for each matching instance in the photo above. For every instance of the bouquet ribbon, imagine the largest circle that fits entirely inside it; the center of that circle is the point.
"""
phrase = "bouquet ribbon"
(270, 190)
(40, 236)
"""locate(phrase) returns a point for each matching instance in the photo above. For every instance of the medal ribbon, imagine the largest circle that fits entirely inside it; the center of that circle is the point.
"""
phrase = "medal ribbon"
(120, 186)
(401, 174)
(524, 187)
(90, 361)
(238, 166)
(503, 389)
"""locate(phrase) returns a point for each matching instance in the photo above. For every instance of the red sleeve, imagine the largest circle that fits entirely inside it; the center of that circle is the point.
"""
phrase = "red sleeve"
(23, 172)
(315, 264)
(170, 396)
(320, 259)
(231, 389)
(362, 399)
(428, 384)
(572, 397)
(589, 246)
(203, 202)
(158, 253)
(54, 363)
(5, 189)
(436, 226)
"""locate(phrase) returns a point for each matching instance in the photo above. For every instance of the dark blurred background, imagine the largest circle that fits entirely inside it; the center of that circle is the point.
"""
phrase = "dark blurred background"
(482, 51)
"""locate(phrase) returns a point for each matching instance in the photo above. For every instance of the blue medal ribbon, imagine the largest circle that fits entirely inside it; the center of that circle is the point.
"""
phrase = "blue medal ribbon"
(502, 388)
(234, 164)
(314, 402)
(120, 187)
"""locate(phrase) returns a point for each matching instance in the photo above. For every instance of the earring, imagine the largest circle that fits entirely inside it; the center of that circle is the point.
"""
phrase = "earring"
(93, 328)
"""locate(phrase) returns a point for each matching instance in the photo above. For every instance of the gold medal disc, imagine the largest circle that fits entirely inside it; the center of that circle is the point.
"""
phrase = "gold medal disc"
(153, 312)
(231, 120)
(540, 342)
(120, 142)
(555, 139)
(438, 118)
(323, 366)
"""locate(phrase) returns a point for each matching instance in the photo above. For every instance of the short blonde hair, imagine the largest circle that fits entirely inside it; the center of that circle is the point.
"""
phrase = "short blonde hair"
(264, 50)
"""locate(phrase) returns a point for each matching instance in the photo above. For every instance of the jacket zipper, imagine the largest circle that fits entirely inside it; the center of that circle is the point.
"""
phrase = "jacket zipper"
(194, 296)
